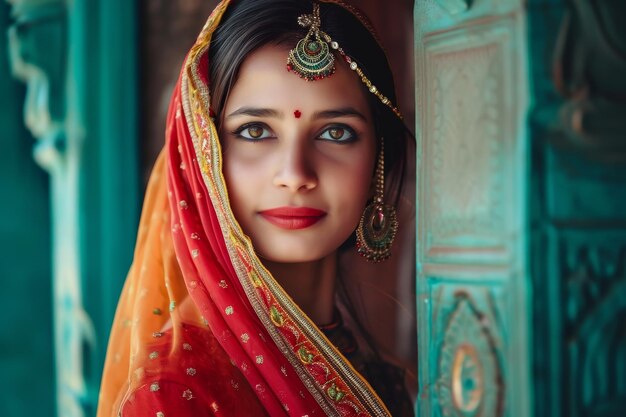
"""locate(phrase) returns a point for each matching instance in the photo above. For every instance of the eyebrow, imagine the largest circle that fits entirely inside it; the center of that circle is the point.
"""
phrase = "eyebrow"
(255, 112)
(325, 114)
(342, 112)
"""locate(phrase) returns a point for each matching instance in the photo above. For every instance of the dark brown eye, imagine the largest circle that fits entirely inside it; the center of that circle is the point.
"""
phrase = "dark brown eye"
(255, 132)
(336, 133)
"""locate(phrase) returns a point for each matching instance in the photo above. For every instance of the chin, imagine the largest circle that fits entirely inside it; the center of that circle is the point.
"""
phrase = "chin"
(288, 258)
(291, 256)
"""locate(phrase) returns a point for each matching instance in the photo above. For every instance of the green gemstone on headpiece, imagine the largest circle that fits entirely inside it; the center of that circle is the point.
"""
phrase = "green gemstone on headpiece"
(313, 47)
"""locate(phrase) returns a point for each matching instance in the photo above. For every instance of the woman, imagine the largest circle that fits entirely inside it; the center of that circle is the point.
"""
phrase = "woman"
(247, 296)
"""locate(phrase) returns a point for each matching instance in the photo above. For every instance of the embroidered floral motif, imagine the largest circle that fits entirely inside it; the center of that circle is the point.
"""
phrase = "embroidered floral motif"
(305, 356)
(187, 394)
(334, 393)
(276, 317)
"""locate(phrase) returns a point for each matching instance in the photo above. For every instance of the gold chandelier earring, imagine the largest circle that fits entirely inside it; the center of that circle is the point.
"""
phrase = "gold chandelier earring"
(379, 224)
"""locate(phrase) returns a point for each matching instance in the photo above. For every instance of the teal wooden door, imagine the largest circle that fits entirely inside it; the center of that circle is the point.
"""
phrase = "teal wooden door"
(521, 207)
(79, 63)
(473, 286)
(577, 204)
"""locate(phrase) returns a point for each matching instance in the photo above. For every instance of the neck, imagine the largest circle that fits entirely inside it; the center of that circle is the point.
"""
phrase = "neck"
(310, 284)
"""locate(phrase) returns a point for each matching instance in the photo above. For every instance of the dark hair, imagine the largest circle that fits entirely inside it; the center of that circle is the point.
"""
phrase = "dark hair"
(250, 24)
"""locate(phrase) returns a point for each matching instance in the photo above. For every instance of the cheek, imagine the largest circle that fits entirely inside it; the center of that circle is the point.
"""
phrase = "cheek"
(356, 182)
(352, 184)
(241, 180)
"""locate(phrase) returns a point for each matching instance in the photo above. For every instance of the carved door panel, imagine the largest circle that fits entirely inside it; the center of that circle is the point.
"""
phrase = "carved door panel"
(472, 284)
(578, 195)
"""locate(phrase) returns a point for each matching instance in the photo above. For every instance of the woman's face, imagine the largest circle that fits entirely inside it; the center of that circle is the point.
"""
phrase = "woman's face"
(298, 157)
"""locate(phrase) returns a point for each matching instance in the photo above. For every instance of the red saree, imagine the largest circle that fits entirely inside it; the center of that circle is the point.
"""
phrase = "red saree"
(202, 328)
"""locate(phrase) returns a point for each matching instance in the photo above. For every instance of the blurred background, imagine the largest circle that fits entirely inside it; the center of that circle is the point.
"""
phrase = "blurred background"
(519, 109)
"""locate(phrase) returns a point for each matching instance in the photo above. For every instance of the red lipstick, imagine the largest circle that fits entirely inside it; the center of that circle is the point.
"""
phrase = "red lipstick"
(292, 218)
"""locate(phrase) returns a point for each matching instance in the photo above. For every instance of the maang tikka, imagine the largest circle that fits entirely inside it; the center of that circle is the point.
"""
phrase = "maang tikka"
(312, 58)
(379, 224)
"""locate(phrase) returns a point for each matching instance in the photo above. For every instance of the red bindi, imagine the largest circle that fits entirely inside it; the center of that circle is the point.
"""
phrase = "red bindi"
(297, 114)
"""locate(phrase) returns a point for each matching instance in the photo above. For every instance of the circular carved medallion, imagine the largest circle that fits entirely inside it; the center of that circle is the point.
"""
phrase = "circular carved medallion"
(469, 379)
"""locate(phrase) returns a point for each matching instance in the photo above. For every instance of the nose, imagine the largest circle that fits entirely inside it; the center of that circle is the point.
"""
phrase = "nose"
(296, 171)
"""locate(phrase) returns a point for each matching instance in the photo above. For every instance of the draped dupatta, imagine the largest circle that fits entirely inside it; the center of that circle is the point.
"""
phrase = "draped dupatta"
(202, 328)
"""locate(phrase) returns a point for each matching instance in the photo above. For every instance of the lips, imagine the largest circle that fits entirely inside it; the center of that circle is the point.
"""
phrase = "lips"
(293, 218)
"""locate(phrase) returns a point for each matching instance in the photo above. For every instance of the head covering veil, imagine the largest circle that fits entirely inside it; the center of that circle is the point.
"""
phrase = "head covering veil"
(202, 328)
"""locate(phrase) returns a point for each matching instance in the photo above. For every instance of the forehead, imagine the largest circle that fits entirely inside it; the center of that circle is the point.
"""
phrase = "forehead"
(263, 80)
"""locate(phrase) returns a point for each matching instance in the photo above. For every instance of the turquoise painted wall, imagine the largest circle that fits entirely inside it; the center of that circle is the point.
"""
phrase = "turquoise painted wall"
(26, 340)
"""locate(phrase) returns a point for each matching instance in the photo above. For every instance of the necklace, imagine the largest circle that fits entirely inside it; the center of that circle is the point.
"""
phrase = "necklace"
(340, 336)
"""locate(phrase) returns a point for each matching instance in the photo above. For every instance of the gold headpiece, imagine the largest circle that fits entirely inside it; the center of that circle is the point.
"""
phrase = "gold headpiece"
(312, 58)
